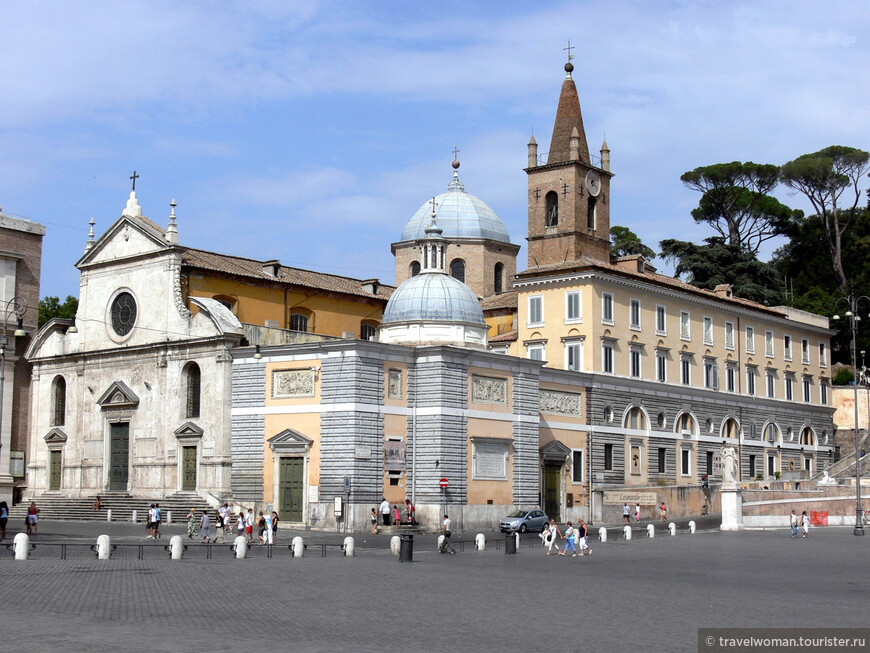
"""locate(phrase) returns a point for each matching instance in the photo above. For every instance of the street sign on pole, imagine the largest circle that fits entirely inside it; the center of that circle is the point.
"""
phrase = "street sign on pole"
(444, 483)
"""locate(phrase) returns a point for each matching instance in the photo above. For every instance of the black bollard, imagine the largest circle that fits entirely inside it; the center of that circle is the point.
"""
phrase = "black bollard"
(510, 543)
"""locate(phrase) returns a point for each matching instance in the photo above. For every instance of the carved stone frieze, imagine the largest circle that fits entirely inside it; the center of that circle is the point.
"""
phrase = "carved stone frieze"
(292, 383)
(563, 403)
(394, 384)
(490, 390)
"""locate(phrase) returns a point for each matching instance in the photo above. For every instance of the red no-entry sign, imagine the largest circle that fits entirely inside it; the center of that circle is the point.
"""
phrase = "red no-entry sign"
(444, 482)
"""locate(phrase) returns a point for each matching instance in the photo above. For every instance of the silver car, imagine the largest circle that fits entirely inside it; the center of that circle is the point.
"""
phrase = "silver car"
(524, 520)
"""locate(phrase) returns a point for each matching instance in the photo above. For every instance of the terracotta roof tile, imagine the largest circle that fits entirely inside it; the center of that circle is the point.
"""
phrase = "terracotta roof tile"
(507, 336)
(501, 300)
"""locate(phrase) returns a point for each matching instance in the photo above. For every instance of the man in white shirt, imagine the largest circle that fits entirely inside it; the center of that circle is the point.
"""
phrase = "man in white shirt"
(446, 546)
(385, 511)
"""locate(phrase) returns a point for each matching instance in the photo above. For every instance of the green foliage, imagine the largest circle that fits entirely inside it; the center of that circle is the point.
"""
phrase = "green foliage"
(624, 242)
(717, 262)
(736, 202)
(50, 307)
(843, 376)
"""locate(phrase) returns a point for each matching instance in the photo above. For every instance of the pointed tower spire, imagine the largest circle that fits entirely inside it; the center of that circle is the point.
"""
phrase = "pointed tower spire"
(533, 151)
(568, 118)
(90, 242)
(605, 156)
(172, 230)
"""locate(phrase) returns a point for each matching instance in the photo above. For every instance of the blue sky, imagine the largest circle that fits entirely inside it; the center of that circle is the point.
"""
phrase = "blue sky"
(311, 131)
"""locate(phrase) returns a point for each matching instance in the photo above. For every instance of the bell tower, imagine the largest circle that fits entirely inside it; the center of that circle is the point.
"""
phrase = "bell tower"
(569, 195)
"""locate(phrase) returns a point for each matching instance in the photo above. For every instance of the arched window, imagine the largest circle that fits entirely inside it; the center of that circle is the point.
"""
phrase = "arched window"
(498, 278)
(58, 403)
(193, 378)
(415, 268)
(298, 322)
(730, 429)
(552, 208)
(590, 213)
(772, 434)
(635, 419)
(368, 331)
(686, 424)
(808, 438)
(457, 269)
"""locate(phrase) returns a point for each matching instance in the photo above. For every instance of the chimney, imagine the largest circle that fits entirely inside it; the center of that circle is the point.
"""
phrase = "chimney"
(271, 267)
(371, 285)
(724, 290)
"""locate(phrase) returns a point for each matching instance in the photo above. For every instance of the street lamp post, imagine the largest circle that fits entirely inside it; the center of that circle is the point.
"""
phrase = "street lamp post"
(18, 307)
(854, 318)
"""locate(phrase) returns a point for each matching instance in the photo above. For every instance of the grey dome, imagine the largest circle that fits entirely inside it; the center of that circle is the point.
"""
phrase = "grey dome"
(433, 297)
(460, 215)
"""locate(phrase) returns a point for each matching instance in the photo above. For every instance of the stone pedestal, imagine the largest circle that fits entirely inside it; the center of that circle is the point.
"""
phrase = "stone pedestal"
(732, 510)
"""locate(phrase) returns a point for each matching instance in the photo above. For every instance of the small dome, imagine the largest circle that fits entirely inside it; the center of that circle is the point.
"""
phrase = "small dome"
(433, 297)
(460, 215)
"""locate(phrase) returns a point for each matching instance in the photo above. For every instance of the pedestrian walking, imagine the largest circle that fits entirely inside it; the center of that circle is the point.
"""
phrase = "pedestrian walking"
(4, 519)
(664, 512)
(220, 527)
(374, 522)
(149, 523)
(397, 516)
(33, 519)
(794, 524)
(205, 526)
(267, 534)
(261, 528)
(805, 521)
(385, 511)
(551, 539)
(583, 532)
(191, 524)
(411, 511)
(274, 526)
(249, 525)
(158, 517)
(637, 512)
(225, 513)
(626, 513)
(446, 546)
(242, 524)
(569, 541)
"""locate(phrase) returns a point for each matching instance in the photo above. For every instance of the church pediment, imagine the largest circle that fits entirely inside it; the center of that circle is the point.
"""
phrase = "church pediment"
(128, 237)
(189, 430)
(289, 439)
(55, 436)
(555, 452)
(118, 395)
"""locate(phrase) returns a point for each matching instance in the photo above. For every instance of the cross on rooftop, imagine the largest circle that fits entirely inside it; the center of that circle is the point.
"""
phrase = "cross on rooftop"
(456, 153)
(569, 48)
(434, 204)
(134, 177)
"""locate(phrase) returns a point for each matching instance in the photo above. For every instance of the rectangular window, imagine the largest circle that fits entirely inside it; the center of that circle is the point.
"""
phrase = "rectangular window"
(805, 352)
(536, 352)
(536, 310)
(771, 386)
(635, 314)
(577, 466)
(685, 371)
(708, 330)
(823, 389)
(808, 394)
(607, 358)
(823, 355)
(662, 460)
(768, 344)
(574, 356)
(750, 340)
(750, 381)
(607, 308)
(685, 330)
(709, 463)
(608, 457)
(711, 375)
(661, 321)
(752, 466)
(661, 367)
(635, 363)
(572, 307)
(771, 465)
(685, 462)
(731, 378)
(786, 347)
(789, 387)
(729, 335)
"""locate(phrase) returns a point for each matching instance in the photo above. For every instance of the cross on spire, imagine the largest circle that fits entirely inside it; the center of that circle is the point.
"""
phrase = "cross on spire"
(456, 153)
(434, 205)
(134, 177)
(569, 48)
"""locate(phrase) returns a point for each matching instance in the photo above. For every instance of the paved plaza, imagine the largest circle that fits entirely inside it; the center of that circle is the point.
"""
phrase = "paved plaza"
(647, 594)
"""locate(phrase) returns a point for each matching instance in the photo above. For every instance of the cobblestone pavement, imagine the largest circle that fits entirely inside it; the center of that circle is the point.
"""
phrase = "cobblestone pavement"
(647, 594)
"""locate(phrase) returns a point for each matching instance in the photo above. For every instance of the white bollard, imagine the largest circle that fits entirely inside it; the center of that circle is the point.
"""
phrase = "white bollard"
(135, 516)
(298, 547)
(22, 546)
(168, 516)
(691, 526)
(348, 546)
(395, 545)
(240, 546)
(480, 541)
(602, 534)
(626, 531)
(104, 547)
(517, 536)
(109, 515)
(650, 530)
(672, 529)
(176, 547)
(440, 542)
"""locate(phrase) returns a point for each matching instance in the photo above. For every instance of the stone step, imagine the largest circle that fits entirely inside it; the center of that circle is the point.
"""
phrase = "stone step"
(122, 506)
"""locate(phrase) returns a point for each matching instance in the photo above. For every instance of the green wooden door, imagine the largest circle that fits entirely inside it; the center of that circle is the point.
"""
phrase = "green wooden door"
(291, 488)
(188, 469)
(54, 470)
(119, 455)
(552, 491)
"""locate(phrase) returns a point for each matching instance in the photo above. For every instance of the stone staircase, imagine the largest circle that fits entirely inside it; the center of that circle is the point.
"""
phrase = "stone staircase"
(122, 505)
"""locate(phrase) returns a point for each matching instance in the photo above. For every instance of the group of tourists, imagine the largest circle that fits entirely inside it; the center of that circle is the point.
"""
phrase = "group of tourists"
(626, 513)
(227, 523)
(804, 521)
(392, 515)
(152, 524)
(576, 537)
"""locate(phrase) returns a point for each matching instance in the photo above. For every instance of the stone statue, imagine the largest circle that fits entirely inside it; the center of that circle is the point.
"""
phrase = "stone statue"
(729, 468)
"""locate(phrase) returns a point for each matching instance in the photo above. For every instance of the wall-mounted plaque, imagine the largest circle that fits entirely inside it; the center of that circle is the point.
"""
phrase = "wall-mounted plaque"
(287, 384)
(563, 403)
(489, 390)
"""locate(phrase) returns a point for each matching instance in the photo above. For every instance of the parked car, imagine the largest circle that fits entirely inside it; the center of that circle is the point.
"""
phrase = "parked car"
(524, 520)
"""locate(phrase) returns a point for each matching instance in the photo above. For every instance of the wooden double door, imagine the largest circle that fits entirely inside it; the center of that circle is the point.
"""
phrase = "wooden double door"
(291, 486)
(119, 455)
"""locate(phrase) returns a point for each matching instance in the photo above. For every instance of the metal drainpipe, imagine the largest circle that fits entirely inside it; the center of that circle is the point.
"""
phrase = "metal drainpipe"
(589, 435)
